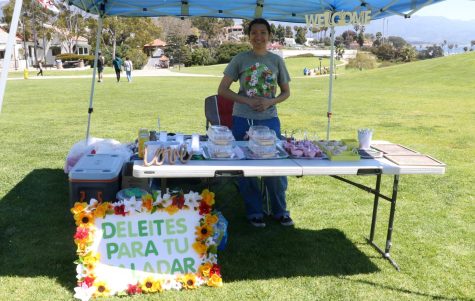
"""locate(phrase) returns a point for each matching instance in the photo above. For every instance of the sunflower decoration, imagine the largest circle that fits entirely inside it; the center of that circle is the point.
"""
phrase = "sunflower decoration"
(203, 232)
(205, 269)
(200, 248)
(102, 290)
(78, 207)
(211, 219)
(151, 285)
(84, 219)
(215, 281)
(147, 202)
(91, 258)
(102, 209)
(207, 197)
(172, 209)
(189, 281)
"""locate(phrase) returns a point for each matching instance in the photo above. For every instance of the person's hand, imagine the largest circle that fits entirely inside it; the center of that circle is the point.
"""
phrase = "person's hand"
(260, 104)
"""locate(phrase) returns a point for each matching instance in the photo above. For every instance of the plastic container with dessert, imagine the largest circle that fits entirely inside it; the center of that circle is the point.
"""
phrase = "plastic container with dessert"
(263, 151)
(219, 150)
(220, 135)
(262, 135)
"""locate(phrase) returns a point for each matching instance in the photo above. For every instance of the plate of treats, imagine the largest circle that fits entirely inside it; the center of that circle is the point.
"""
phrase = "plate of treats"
(303, 149)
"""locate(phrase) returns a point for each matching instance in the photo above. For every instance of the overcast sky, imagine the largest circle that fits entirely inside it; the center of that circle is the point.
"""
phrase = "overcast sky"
(451, 9)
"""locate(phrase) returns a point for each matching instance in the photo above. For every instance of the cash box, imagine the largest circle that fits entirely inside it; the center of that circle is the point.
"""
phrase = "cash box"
(95, 176)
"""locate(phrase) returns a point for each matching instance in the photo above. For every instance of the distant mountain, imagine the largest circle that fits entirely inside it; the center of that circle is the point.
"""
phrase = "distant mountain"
(424, 30)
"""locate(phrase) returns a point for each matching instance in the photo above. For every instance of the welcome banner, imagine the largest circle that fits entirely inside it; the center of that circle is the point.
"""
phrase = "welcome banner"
(341, 18)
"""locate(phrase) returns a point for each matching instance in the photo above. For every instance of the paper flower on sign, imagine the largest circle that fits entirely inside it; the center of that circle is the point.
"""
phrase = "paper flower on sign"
(172, 284)
(215, 280)
(190, 281)
(151, 285)
(101, 289)
(131, 205)
(83, 292)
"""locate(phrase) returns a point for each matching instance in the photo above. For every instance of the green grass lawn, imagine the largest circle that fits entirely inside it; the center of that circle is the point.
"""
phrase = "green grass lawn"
(427, 105)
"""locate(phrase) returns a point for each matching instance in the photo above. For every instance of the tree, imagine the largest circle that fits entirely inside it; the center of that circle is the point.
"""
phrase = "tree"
(300, 35)
(280, 34)
(378, 41)
(385, 52)
(71, 26)
(288, 32)
(211, 29)
(431, 52)
(363, 60)
(407, 53)
(202, 56)
(397, 42)
(348, 37)
(227, 51)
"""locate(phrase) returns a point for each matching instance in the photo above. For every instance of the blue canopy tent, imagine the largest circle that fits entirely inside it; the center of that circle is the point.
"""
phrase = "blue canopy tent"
(295, 11)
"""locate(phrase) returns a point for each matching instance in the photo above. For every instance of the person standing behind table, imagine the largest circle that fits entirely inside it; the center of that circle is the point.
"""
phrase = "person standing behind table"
(40, 67)
(117, 62)
(100, 66)
(259, 73)
(128, 66)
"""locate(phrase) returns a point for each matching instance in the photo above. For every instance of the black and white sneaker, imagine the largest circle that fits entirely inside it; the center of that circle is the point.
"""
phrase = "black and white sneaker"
(286, 221)
(257, 222)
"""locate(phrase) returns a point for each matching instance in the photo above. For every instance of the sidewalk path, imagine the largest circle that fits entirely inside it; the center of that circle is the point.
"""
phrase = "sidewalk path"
(135, 73)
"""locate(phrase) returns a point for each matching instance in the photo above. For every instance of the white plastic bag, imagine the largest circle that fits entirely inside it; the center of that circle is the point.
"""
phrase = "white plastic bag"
(95, 146)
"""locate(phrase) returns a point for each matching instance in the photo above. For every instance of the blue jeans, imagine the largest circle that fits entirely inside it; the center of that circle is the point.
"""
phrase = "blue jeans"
(249, 186)
(129, 75)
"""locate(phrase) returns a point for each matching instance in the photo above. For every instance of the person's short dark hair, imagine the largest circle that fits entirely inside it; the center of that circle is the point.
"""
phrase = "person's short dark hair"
(126, 58)
(258, 21)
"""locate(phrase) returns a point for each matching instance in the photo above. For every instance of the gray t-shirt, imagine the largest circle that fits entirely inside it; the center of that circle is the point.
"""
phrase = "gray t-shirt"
(258, 75)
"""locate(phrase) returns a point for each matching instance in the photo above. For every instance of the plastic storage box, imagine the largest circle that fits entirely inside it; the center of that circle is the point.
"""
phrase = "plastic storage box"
(95, 176)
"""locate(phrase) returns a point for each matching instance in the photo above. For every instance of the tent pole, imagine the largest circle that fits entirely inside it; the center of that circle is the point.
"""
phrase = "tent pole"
(91, 97)
(330, 91)
(9, 48)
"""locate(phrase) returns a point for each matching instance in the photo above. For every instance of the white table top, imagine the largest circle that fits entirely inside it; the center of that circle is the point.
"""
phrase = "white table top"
(279, 167)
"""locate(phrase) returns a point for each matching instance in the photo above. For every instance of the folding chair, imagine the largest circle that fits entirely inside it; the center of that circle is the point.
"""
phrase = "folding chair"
(218, 111)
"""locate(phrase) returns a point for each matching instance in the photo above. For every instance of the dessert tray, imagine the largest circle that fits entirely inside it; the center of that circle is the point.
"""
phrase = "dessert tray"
(235, 154)
(303, 149)
(280, 153)
(340, 150)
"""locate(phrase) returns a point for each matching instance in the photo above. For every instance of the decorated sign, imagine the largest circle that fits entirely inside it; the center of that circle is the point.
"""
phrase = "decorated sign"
(339, 18)
(147, 245)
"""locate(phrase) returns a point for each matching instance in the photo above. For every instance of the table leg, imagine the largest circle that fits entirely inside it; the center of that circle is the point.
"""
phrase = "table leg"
(386, 253)
(375, 207)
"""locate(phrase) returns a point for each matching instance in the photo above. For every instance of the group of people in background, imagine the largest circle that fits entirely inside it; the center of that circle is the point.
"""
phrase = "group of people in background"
(316, 71)
(118, 65)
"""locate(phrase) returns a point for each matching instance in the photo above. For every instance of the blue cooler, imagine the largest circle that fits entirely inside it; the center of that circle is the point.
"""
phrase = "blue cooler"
(95, 176)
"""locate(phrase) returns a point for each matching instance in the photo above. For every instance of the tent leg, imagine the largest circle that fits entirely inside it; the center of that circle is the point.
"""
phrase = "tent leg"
(8, 50)
(91, 97)
(330, 91)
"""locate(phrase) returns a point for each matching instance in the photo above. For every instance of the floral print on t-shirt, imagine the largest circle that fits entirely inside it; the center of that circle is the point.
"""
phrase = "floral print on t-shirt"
(260, 81)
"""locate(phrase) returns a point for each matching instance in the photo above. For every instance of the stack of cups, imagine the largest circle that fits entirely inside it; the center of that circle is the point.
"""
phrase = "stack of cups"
(364, 138)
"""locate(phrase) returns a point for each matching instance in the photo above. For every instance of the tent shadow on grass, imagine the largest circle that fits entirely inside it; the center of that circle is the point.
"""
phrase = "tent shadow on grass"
(37, 229)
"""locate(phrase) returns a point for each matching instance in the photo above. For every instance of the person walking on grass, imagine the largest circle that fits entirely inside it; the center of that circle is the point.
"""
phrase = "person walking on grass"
(117, 63)
(260, 74)
(128, 66)
(40, 67)
(100, 66)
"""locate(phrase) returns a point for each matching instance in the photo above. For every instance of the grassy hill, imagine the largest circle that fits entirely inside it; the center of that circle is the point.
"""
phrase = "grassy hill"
(427, 105)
